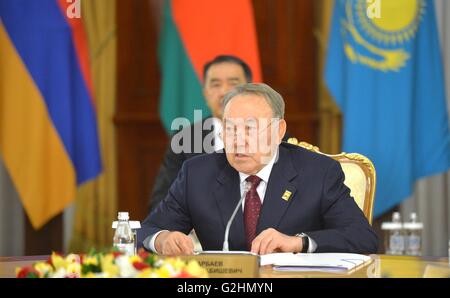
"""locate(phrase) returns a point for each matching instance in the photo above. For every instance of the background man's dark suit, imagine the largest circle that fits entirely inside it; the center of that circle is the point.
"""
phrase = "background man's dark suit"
(207, 190)
(172, 163)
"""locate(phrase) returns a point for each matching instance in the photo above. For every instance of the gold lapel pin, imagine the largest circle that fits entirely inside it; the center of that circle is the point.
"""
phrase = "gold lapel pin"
(287, 195)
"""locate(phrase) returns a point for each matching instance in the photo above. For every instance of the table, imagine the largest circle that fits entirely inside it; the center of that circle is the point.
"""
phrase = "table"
(8, 265)
(385, 266)
(381, 266)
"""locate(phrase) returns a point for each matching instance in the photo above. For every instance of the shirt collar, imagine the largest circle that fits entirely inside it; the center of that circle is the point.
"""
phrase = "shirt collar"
(264, 173)
(217, 125)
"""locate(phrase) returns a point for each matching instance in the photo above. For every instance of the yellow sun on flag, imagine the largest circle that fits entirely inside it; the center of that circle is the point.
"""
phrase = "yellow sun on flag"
(398, 23)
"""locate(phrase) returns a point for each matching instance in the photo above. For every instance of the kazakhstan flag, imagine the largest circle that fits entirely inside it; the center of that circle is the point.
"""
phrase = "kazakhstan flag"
(386, 76)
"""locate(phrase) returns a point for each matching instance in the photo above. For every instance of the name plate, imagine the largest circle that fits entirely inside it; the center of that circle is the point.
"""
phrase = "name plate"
(228, 264)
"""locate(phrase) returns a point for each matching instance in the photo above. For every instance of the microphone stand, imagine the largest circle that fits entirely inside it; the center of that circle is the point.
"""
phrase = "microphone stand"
(230, 221)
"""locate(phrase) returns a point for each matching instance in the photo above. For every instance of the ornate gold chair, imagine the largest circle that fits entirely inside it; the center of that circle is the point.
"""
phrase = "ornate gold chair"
(360, 176)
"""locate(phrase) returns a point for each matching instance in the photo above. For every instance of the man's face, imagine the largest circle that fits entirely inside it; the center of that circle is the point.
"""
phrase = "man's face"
(219, 79)
(251, 135)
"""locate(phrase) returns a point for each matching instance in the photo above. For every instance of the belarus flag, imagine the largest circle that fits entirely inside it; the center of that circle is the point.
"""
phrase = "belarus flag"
(194, 32)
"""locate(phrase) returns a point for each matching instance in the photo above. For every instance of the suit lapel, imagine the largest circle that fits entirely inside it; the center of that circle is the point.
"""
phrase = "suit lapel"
(280, 181)
(227, 195)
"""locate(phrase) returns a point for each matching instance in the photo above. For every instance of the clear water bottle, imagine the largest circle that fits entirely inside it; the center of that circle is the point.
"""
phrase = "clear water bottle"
(124, 239)
(394, 240)
(413, 230)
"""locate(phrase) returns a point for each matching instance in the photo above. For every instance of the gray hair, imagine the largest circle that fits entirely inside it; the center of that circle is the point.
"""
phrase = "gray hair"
(272, 97)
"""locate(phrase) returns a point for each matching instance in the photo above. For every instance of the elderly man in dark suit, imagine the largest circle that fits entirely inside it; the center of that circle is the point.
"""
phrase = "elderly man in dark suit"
(295, 200)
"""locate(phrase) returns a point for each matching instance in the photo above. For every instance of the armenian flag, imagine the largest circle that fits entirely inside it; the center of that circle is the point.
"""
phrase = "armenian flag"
(48, 126)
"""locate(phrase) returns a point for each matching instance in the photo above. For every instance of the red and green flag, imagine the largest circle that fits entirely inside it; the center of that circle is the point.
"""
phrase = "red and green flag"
(194, 32)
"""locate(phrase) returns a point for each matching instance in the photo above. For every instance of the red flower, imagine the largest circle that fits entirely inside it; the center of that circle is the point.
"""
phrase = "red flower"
(143, 254)
(117, 254)
(184, 274)
(27, 272)
(49, 261)
(140, 266)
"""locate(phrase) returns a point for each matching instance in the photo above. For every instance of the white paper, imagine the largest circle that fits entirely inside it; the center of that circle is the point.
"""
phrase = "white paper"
(314, 261)
(308, 269)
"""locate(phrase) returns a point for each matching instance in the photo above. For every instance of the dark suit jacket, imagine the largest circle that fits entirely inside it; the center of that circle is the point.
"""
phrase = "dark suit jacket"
(206, 192)
(172, 163)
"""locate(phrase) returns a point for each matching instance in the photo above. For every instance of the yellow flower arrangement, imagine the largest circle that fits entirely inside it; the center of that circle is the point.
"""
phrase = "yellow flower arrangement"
(112, 265)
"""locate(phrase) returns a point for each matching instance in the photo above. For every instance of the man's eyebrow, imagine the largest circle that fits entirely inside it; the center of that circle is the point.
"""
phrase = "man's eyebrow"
(233, 79)
(231, 122)
(213, 80)
(251, 119)
(241, 121)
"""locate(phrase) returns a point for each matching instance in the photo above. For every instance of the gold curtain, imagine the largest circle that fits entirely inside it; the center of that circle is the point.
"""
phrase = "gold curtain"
(96, 202)
(330, 116)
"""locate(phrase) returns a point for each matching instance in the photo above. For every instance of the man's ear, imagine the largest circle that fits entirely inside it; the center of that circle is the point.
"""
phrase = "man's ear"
(282, 127)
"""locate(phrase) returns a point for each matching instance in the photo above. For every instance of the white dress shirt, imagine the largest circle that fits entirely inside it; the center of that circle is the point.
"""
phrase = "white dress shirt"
(264, 175)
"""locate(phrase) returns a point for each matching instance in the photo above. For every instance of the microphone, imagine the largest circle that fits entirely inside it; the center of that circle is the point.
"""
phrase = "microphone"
(247, 187)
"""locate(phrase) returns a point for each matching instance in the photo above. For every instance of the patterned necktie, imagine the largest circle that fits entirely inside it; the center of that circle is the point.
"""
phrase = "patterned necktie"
(251, 210)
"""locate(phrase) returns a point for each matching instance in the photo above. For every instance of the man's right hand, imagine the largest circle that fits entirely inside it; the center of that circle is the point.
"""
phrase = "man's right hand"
(174, 244)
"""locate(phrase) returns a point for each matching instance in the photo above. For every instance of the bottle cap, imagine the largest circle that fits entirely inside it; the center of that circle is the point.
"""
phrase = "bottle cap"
(134, 224)
(396, 217)
(413, 225)
(391, 226)
(123, 216)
